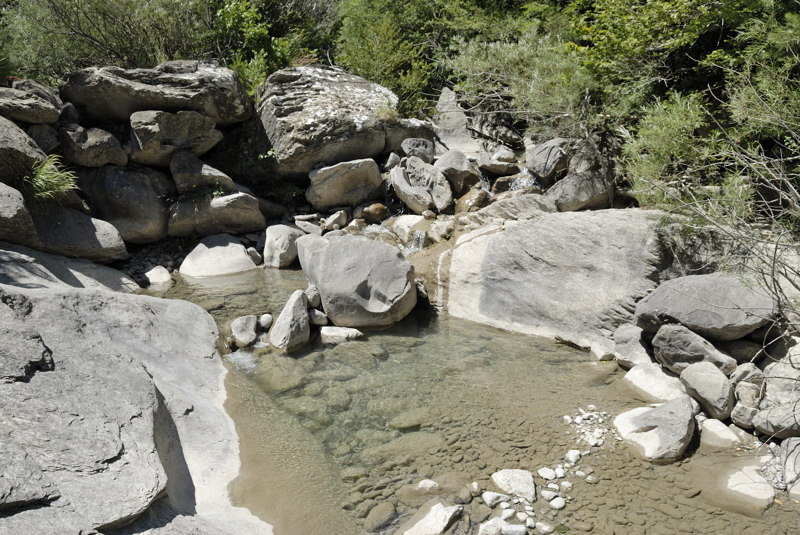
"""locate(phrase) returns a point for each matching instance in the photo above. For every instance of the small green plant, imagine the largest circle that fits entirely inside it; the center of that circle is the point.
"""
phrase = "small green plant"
(49, 180)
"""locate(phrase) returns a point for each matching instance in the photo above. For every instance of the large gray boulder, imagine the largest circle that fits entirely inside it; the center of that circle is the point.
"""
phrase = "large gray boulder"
(318, 115)
(568, 275)
(16, 223)
(676, 347)
(660, 434)
(26, 268)
(590, 190)
(18, 152)
(417, 198)
(717, 306)
(192, 175)
(362, 283)
(72, 233)
(132, 199)
(131, 411)
(710, 388)
(424, 175)
(90, 147)
(237, 213)
(453, 128)
(112, 94)
(221, 254)
(280, 245)
(157, 135)
(25, 107)
(344, 184)
(292, 329)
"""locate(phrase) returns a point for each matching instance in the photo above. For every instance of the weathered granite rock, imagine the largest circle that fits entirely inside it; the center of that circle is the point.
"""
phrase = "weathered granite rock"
(423, 175)
(779, 421)
(654, 383)
(521, 208)
(419, 147)
(322, 115)
(516, 482)
(709, 387)
(131, 199)
(22, 354)
(44, 92)
(379, 516)
(18, 152)
(280, 247)
(790, 459)
(717, 306)
(490, 166)
(659, 434)
(192, 174)
(157, 135)
(291, 329)
(472, 201)
(221, 254)
(90, 147)
(458, 170)
(590, 190)
(629, 347)
(398, 130)
(782, 380)
(338, 335)
(16, 224)
(362, 283)
(452, 123)
(22, 481)
(547, 160)
(236, 213)
(113, 94)
(68, 232)
(25, 107)
(676, 347)
(717, 435)
(343, 184)
(26, 268)
(559, 275)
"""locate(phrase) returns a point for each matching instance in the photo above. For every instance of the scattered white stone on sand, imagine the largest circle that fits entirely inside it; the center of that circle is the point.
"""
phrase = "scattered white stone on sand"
(545, 528)
(335, 335)
(515, 482)
(546, 473)
(560, 472)
(493, 527)
(431, 520)
(504, 505)
(427, 484)
(558, 503)
(549, 495)
(514, 529)
(565, 486)
(493, 498)
(507, 513)
(573, 456)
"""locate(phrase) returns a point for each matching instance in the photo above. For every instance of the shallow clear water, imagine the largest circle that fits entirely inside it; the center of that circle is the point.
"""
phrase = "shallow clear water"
(328, 433)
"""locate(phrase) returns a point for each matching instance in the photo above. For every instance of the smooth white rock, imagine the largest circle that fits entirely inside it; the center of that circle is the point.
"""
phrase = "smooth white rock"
(504, 505)
(265, 321)
(546, 473)
(545, 529)
(654, 383)
(335, 335)
(560, 472)
(716, 434)
(565, 486)
(507, 513)
(558, 503)
(159, 277)
(434, 521)
(493, 498)
(492, 527)
(521, 516)
(549, 495)
(427, 484)
(514, 529)
(516, 483)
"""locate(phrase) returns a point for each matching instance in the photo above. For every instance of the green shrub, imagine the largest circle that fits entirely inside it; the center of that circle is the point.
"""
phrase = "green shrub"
(49, 181)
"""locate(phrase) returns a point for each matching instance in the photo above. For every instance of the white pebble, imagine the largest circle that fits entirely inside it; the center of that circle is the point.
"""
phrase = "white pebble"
(573, 456)
(591, 479)
(505, 505)
(566, 419)
(558, 503)
(553, 486)
(427, 484)
(560, 472)
(514, 529)
(508, 513)
(580, 473)
(548, 494)
(546, 473)
(493, 498)
(566, 486)
(521, 517)
(591, 408)
(578, 420)
(531, 523)
(529, 508)
(545, 529)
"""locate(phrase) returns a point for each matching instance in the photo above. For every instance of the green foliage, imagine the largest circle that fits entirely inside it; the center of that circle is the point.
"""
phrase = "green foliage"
(49, 181)
(49, 37)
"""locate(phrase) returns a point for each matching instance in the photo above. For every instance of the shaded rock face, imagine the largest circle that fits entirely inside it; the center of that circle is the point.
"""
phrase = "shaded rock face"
(191, 174)
(131, 199)
(589, 190)
(91, 147)
(113, 94)
(716, 306)
(318, 115)
(16, 224)
(546, 161)
(18, 152)
(676, 347)
(574, 276)
(68, 232)
(157, 135)
(236, 213)
(362, 283)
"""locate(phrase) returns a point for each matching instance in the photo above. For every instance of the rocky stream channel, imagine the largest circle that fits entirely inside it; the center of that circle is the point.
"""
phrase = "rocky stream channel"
(357, 437)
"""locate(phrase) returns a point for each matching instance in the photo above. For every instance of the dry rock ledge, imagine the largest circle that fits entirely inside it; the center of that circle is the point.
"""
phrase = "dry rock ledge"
(111, 409)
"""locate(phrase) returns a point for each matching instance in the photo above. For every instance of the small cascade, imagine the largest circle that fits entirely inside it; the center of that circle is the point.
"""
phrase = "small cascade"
(524, 180)
(416, 243)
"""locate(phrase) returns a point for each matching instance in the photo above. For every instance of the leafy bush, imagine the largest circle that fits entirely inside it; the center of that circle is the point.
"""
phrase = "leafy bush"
(49, 181)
